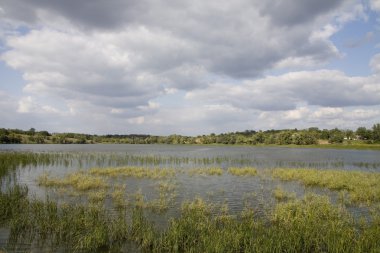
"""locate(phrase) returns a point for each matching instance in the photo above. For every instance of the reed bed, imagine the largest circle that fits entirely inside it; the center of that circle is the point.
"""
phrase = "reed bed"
(363, 187)
(245, 171)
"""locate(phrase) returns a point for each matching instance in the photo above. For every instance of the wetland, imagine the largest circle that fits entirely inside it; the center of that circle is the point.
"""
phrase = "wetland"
(176, 198)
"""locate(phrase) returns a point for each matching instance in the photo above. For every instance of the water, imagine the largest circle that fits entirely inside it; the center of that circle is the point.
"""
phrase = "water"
(233, 191)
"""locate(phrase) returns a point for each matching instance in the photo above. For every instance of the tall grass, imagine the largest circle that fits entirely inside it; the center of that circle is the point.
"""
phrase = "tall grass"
(312, 224)
(363, 187)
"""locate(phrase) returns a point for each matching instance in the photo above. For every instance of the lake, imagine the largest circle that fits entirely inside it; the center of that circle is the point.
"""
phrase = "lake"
(191, 172)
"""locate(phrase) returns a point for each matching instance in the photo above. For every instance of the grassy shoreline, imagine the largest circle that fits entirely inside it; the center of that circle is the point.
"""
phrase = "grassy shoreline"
(343, 146)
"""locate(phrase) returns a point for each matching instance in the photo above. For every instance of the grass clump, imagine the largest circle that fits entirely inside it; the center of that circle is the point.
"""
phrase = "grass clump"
(246, 171)
(137, 172)
(206, 171)
(78, 180)
(280, 195)
(363, 187)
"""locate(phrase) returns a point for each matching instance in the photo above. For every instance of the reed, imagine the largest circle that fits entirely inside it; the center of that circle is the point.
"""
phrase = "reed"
(363, 187)
(312, 224)
(246, 171)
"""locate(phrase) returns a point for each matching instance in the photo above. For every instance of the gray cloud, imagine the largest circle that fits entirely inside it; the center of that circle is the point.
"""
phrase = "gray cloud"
(87, 14)
(295, 12)
(235, 39)
(325, 88)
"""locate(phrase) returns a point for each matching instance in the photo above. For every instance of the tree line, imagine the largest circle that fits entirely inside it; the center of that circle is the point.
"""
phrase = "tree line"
(310, 136)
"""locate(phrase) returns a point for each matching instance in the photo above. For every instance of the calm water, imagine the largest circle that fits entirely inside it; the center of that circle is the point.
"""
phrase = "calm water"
(236, 192)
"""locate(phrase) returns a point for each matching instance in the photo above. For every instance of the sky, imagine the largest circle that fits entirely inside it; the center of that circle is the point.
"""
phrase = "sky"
(188, 67)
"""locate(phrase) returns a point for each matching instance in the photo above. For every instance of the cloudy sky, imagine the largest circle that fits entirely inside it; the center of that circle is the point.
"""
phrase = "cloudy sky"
(188, 67)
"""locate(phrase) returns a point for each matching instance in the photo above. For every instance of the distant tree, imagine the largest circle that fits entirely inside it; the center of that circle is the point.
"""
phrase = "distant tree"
(325, 134)
(376, 132)
(363, 133)
(32, 131)
(284, 138)
(336, 136)
(349, 134)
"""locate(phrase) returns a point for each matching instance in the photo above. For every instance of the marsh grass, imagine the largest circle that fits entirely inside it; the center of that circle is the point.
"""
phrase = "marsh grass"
(363, 187)
(281, 195)
(77, 228)
(97, 196)
(205, 171)
(311, 224)
(119, 197)
(80, 181)
(137, 172)
(245, 171)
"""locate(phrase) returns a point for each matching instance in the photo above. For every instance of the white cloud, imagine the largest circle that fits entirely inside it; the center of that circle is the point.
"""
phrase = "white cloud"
(375, 5)
(375, 63)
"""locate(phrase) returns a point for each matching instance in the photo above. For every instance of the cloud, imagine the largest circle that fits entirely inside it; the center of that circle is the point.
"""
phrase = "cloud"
(327, 88)
(108, 65)
(375, 63)
(375, 5)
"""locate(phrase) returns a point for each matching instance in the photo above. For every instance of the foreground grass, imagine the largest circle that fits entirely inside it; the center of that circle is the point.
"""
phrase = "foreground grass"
(312, 224)
(363, 187)
(309, 225)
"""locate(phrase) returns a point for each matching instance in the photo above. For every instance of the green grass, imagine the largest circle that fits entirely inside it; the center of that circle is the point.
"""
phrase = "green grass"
(246, 171)
(79, 181)
(280, 195)
(363, 187)
(311, 224)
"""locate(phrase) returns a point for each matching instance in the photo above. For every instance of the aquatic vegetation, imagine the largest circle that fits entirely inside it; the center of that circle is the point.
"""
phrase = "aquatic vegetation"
(246, 171)
(97, 196)
(78, 180)
(281, 195)
(104, 212)
(119, 197)
(138, 172)
(205, 171)
(363, 187)
(312, 224)
(76, 227)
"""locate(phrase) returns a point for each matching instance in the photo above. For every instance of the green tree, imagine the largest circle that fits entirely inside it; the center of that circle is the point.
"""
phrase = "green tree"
(363, 133)
(376, 132)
